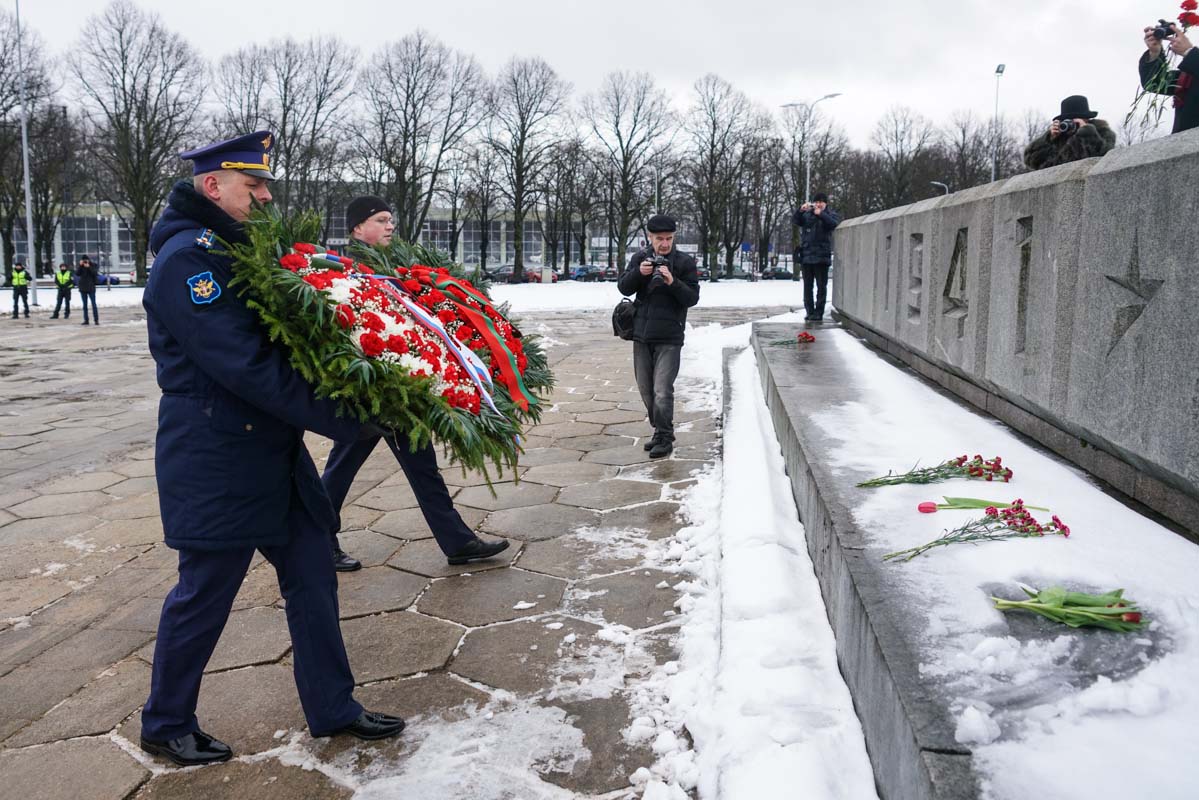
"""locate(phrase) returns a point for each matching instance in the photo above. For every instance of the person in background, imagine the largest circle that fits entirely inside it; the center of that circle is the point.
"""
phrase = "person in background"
(1074, 134)
(20, 287)
(1182, 83)
(816, 222)
(65, 281)
(85, 278)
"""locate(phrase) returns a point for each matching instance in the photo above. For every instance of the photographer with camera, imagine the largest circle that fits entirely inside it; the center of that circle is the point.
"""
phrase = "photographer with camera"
(816, 222)
(1074, 134)
(1157, 77)
(666, 284)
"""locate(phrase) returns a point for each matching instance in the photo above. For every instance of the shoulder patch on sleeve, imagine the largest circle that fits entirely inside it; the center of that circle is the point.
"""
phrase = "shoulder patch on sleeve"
(203, 288)
(205, 239)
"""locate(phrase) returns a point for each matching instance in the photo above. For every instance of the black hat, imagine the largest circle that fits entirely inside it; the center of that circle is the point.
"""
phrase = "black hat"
(820, 197)
(1076, 107)
(363, 208)
(84, 257)
(660, 223)
(18, 262)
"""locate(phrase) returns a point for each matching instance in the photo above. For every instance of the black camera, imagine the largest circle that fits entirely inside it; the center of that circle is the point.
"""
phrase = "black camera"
(1067, 127)
(658, 261)
(1164, 29)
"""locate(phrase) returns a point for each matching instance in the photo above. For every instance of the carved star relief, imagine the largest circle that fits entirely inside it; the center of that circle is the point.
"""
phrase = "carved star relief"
(1143, 288)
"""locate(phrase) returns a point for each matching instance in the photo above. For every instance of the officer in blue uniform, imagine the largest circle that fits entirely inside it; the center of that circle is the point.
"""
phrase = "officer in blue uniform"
(233, 473)
(369, 222)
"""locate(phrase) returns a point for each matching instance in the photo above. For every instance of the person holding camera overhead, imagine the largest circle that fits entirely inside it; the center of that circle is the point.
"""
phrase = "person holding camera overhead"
(1075, 133)
(1180, 83)
(666, 284)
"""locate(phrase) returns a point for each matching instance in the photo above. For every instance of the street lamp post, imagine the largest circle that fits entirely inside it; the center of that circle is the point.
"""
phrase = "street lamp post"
(995, 123)
(943, 186)
(807, 189)
(29, 234)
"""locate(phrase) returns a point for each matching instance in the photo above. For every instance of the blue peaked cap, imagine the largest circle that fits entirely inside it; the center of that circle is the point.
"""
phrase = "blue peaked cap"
(250, 154)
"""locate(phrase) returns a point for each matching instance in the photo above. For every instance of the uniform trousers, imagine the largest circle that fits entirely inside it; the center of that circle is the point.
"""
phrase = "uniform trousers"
(196, 610)
(446, 525)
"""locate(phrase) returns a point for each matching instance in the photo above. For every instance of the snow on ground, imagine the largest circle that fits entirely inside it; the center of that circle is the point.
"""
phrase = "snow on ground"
(757, 687)
(1129, 735)
(46, 297)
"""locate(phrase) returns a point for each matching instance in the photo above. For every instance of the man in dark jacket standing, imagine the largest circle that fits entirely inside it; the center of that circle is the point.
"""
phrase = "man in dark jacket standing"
(85, 277)
(20, 288)
(64, 280)
(369, 221)
(1181, 83)
(233, 473)
(816, 222)
(666, 285)
(1085, 136)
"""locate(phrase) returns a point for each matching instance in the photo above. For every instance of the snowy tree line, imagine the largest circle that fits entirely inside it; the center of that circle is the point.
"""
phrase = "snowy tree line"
(424, 126)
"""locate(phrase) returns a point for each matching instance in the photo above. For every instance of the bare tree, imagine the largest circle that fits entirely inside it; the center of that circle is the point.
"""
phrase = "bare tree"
(421, 100)
(54, 185)
(814, 146)
(588, 194)
(140, 86)
(455, 192)
(716, 132)
(903, 136)
(969, 148)
(483, 182)
(243, 81)
(631, 118)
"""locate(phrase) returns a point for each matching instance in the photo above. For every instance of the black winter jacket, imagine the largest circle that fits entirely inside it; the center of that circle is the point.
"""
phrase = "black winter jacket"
(85, 278)
(816, 235)
(661, 312)
(1186, 116)
(1089, 141)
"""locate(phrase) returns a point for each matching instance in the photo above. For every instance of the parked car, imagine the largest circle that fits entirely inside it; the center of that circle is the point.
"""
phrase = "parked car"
(776, 274)
(103, 279)
(533, 274)
(610, 274)
(586, 273)
(702, 272)
(501, 274)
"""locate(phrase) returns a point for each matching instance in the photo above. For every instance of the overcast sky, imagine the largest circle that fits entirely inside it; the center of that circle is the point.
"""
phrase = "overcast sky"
(936, 56)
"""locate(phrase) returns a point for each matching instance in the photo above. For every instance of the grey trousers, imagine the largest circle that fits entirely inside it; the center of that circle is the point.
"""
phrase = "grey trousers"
(656, 366)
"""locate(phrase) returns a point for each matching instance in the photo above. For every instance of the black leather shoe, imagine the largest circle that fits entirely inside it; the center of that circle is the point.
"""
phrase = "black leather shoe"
(661, 450)
(344, 562)
(190, 750)
(653, 440)
(478, 550)
(373, 725)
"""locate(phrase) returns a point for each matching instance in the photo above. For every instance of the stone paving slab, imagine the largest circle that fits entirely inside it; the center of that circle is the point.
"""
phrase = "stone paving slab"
(637, 599)
(398, 644)
(82, 769)
(606, 495)
(409, 524)
(569, 474)
(377, 589)
(507, 495)
(239, 780)
(493, 596)
(96, 709)
(530, 656)
(536, 523)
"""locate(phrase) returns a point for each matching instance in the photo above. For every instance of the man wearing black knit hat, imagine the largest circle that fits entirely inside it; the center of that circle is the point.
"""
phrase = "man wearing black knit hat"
(369, 221)
(666, 284)
(815, 221)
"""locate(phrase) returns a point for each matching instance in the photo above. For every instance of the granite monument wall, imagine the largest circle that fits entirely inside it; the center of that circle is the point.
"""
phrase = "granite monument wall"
(1063, 301)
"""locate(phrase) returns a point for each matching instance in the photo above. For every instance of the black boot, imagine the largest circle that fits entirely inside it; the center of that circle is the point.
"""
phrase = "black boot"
(372, 725)
(653, 440)
(662, 449)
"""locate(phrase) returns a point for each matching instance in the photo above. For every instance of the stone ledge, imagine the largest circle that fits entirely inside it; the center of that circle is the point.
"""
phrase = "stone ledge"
(909, 732)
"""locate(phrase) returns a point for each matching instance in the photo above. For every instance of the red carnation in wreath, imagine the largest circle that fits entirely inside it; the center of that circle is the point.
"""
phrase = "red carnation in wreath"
(293, 261)
(372, 344)
(303, 247)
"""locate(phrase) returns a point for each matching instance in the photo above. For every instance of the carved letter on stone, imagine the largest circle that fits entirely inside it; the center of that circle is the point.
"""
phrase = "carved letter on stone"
(887, 277)
(1143, 288)
(954, 303)
(915, 276)
(1025, 244)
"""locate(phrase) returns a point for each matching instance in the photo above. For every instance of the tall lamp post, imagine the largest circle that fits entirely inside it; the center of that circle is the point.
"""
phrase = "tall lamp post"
(807, 188)
(29, 234)
(942, 186)
(995, 124)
